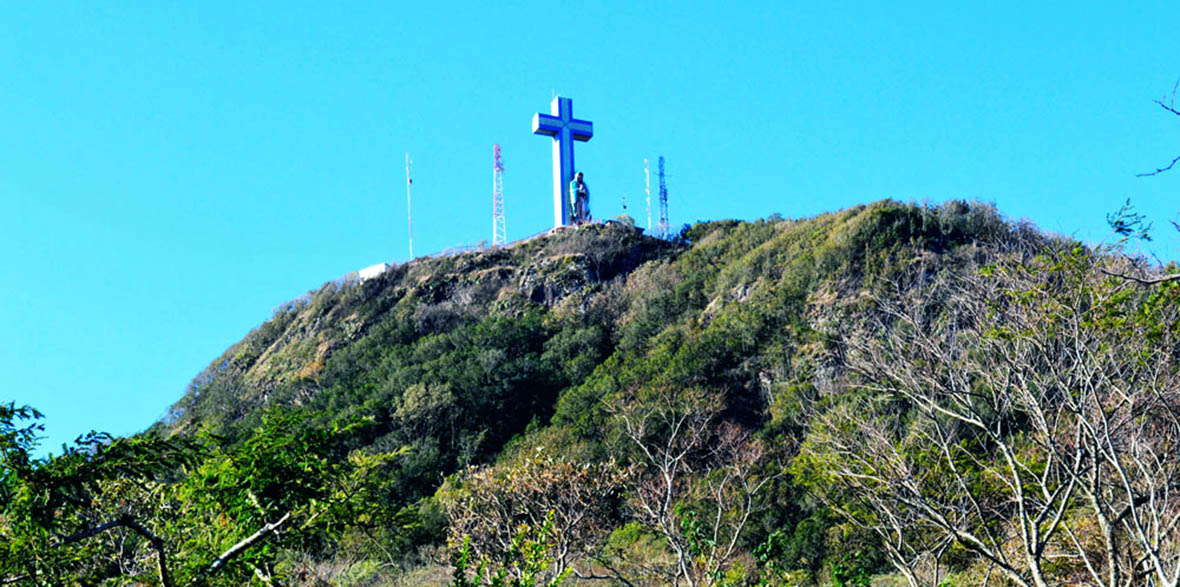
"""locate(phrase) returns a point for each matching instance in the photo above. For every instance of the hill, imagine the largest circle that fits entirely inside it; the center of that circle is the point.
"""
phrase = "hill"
(891, 390)
(352, 344)
(562, 303)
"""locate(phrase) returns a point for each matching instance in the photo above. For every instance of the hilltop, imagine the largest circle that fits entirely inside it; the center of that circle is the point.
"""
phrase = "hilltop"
(791, 401)
(341, 345)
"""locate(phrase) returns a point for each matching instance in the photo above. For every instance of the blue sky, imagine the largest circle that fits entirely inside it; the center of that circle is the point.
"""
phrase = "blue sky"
(171, 172)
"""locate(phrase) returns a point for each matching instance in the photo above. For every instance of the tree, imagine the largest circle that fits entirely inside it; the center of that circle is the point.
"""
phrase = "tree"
(576, 504)
(525, 562)
(1026, 414)
(49, 507)
(698, 478)
(170, 510)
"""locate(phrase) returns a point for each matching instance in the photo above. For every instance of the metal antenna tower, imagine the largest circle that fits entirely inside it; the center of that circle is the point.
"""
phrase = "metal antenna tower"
(499, 232)
(662, 227)
(647, 190)
(409, 206)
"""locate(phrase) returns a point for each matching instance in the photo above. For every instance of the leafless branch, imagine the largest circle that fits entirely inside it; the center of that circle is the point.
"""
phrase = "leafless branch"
(127, 521)
(1161, 169)
(1143, 280)
(1170, 105)
(245, 543)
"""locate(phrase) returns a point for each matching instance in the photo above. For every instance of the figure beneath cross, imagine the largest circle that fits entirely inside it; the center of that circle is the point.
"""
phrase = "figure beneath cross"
(579, 199)
(565, 129)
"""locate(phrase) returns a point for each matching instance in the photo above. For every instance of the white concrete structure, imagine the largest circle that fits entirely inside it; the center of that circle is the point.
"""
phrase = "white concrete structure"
(565, 129)
(372, 271)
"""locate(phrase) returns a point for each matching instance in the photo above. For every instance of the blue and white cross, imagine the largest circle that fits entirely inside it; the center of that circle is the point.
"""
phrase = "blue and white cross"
(565, 129)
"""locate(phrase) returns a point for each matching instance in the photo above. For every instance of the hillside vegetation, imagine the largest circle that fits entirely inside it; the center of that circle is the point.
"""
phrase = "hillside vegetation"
(891, 393)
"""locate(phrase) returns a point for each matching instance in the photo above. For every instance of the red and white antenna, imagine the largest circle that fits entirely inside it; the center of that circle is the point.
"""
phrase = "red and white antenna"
(499, 232)
(409, 206)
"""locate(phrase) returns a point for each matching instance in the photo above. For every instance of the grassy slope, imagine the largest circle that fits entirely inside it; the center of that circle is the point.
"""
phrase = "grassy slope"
(456, 356)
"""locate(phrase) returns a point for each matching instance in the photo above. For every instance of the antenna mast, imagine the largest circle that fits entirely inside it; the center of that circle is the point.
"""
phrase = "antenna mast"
(499, 232)
(647, 190)
(662, 228)
(409, 206)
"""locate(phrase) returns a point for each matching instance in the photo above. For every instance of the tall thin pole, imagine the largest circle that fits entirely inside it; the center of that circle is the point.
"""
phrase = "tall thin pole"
(662, 227)
(409, 206)
(499, 231)
(647, 190)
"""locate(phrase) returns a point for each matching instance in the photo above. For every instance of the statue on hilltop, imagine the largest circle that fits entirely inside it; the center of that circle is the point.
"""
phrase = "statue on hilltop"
(579, 199)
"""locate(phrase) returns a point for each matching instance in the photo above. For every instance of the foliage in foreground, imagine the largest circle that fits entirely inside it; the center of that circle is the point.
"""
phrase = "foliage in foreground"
(178, 510)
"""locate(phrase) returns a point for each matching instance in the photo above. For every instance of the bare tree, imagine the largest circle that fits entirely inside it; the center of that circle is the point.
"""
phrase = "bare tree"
(698, 478)
(1027, 413)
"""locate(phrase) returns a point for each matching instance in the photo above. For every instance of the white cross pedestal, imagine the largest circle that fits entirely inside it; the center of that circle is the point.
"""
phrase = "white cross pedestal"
(565, 129)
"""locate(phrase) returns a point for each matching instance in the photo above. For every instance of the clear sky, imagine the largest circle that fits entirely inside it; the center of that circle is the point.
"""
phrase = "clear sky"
(171, 172)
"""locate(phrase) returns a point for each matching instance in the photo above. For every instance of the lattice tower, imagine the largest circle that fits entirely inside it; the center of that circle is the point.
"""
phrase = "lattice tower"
(499, 232)
(662, 227)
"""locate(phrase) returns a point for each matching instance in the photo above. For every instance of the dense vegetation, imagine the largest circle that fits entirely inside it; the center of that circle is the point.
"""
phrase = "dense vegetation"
(918, 394)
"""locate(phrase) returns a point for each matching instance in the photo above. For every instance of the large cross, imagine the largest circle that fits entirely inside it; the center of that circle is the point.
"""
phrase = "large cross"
(565, 129)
